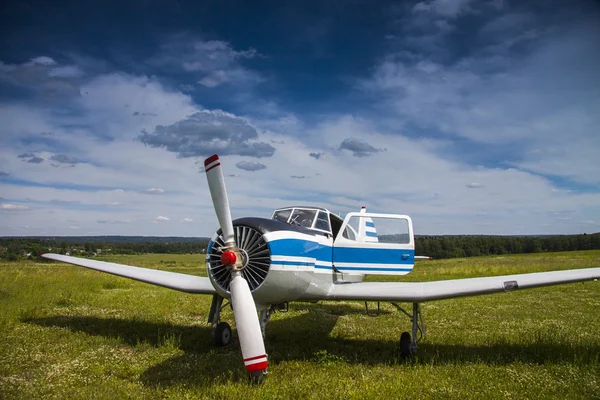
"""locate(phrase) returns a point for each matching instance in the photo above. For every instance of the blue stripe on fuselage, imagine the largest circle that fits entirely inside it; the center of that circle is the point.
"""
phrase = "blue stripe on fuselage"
(361, 255)
(371, 234)
(373, 255)
(295, 263)
(370, 224)
(300, 248)
(368, 269)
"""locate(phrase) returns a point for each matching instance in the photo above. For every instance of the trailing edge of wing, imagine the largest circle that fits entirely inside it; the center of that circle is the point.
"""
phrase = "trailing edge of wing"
(438, 290)
(171, 280)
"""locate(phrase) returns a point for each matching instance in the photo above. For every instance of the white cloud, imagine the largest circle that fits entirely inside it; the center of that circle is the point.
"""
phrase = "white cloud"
(13, 207)
(546, 100)
(443, 8)
(475, 185)
(214, 79)
(67, 71)
(414, 176)
(42, 76)
(213, 62)
(42, 60)
(113, 221)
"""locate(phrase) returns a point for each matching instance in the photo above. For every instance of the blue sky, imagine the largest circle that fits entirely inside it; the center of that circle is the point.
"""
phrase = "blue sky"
(471, 116)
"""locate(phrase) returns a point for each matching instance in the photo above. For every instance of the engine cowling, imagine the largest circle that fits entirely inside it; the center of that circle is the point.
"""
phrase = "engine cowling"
(256, 258)
(267, 286)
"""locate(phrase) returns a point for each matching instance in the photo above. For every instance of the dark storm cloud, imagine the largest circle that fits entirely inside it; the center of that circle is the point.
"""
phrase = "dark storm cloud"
(63, 159)
(207, 132)
(358, 147)
(250, 165)
(41, 77)
(36, 160)
(26, 155)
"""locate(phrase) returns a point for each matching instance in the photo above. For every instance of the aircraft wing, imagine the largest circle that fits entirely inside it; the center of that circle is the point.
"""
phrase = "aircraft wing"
(171, 280)
(437, 290)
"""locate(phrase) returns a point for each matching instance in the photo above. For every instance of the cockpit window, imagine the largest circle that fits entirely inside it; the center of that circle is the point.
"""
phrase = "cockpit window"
(303, 217)
(322, 222)
(349, 233)
(282, 215)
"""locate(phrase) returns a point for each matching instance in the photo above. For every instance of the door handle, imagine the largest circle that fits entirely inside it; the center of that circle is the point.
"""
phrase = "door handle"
(405, 256)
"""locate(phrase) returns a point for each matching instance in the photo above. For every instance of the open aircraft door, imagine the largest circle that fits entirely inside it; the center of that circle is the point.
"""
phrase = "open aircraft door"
(375, 244)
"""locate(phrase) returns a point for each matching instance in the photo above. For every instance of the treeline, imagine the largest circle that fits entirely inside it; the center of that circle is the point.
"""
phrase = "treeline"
(15, 248)
(470, 246)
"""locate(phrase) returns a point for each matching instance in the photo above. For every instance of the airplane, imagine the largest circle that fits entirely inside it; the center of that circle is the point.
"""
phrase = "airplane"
(311, 254)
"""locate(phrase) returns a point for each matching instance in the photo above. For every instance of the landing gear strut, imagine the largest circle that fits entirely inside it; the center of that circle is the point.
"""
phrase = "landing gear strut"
(221, 330)
(408, 344)
(264, 315)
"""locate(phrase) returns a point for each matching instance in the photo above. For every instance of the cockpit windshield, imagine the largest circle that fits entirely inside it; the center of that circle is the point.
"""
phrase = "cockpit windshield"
(282, 215)
(306, 217)
(303, 218)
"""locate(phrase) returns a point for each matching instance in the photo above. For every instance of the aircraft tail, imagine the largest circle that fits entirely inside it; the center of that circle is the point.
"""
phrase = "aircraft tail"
(366, 229)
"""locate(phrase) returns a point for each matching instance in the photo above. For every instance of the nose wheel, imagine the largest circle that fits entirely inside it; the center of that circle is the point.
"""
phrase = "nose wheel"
(222, 334)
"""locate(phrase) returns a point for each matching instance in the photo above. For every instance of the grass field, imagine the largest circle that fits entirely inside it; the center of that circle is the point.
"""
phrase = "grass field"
(68, 332)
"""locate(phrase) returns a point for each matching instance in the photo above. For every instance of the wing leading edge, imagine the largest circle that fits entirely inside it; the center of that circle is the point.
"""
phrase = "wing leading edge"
(171, 280)
(438, 290)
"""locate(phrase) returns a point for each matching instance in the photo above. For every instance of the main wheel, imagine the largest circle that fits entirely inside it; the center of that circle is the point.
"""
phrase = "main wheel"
(222, 334)
(405, 345)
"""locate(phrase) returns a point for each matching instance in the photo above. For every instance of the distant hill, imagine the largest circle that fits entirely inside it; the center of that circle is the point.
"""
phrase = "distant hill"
(115, 239)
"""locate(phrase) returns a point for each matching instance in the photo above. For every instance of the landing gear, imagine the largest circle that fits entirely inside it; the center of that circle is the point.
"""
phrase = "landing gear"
(222, 334)
(264, 315)
(408, 344)
(221, 330)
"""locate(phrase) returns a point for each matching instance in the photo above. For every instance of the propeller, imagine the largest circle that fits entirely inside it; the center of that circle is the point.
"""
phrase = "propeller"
(244, 309)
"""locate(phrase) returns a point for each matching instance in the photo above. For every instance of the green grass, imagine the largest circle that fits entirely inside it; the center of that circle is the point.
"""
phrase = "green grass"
(68, 332)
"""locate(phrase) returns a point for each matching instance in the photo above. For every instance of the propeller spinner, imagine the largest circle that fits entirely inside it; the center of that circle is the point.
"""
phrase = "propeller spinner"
(244, 309)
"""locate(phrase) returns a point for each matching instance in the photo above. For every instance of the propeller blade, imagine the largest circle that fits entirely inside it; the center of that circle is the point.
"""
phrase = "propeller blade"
(248, 327)
(244, 309)
(218, 192)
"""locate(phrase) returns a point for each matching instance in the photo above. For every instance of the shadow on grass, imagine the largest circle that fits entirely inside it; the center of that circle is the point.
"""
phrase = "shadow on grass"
(501, 353)
(133, 331)
(306, 338)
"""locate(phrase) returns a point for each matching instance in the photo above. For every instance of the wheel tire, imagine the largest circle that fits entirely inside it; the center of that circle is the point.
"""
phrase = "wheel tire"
(405, 350)
(222, 334)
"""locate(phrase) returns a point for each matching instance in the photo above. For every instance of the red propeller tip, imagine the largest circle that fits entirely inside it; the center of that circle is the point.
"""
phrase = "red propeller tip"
(211, 159)
(228, 258)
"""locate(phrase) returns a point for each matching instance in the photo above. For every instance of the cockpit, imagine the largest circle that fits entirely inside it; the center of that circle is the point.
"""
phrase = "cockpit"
(314, 218)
